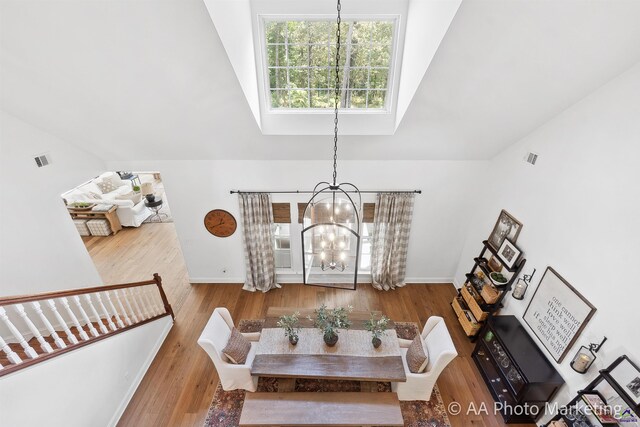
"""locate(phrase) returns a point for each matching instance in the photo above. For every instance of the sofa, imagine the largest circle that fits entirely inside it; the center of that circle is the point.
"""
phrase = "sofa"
(108, 188)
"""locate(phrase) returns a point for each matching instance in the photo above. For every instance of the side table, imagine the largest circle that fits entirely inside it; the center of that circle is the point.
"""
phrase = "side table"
(110, 216)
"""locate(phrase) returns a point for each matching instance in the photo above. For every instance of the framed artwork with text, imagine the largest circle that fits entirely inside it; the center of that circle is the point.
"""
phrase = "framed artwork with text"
(557, 314)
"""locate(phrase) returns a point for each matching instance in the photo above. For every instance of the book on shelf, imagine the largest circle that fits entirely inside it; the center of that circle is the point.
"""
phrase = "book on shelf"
(600, 409)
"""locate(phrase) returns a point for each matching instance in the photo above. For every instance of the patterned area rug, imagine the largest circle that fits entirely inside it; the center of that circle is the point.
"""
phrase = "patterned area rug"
(226, 406)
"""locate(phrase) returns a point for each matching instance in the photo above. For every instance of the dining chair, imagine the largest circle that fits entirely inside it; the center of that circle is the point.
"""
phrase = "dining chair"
(441, 352)
(213, 340)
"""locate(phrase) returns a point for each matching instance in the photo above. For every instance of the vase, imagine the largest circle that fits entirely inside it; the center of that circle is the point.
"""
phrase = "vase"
(377, 342)
(293, 339)
(330, 339)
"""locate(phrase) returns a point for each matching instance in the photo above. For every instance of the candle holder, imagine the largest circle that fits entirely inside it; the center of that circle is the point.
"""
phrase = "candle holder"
(585, 357)
(521, 287)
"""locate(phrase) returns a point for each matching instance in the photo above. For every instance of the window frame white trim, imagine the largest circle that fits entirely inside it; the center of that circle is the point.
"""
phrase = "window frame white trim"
(263, 66)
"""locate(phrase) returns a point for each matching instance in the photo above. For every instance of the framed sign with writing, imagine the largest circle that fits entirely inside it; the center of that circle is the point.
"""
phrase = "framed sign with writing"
(557, 314)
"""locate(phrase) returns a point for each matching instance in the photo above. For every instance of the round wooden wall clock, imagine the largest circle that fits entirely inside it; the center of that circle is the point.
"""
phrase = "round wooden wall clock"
(220, 223)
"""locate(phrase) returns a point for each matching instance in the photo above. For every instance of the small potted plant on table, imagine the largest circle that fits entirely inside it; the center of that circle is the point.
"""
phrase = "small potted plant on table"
(329, 321)
(377, 328)
(290, 325)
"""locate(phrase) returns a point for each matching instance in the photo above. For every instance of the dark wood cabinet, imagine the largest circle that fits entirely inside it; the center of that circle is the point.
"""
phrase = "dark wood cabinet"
(518, 374)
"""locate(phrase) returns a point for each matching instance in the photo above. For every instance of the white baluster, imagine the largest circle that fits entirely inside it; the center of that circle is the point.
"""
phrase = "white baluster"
(92, 329)
(34, 330)
(95, 314)
(52, 306)
(16, 333)
(11, 355)
(56, 339)
(149, 301)
(127, 321)
(113, 311)
(123, 294)
(107, 315)
(134, 297)
(74, 320)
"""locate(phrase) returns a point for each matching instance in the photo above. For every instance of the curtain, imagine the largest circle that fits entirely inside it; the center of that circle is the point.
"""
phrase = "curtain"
(257, 219)
(391, 227)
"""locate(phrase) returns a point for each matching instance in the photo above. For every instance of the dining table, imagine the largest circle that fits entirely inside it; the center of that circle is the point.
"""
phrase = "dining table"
(352, 358)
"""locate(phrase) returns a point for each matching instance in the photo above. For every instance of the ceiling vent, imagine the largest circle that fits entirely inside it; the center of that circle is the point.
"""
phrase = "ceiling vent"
(43, 160)
(531, 158)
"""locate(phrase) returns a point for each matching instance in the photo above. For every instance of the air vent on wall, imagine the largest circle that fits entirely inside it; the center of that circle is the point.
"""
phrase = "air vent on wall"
(531, 158)
(43, 160)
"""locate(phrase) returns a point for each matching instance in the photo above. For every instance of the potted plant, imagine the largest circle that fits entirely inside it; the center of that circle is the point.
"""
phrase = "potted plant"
(329, 321)
(377, 328)
(290, 325)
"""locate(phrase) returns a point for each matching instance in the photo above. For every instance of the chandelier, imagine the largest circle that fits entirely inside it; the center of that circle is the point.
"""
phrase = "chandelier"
(331, 219)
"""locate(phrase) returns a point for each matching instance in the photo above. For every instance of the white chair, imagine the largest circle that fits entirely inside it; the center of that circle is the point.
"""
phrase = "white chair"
(441, 353)
(214, 339)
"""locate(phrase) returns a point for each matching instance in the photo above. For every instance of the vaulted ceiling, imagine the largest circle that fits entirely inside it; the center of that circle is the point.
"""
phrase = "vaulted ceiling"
(150, 79)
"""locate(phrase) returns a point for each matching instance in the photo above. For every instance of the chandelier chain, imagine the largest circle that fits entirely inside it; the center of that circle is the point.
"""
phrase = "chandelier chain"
(337, 98)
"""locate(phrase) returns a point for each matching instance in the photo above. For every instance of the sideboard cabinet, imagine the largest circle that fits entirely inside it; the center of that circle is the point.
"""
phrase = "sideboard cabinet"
(517, 373)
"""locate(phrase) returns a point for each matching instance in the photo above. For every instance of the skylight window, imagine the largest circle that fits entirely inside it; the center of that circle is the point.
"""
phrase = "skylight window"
(300, 62)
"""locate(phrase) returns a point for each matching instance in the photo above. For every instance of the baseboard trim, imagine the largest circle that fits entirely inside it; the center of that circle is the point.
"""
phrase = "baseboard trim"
(297, 278)
(141, 373)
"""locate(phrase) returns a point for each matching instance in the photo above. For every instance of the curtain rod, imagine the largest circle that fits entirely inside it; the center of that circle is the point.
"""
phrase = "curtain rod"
(311, 192)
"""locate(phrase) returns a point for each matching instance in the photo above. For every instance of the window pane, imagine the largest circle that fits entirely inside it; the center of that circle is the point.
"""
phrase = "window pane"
(298, 55)
(297, 32)
(299, 78)
(299, 98)
(376, 98)
(380, 56)
(378, 78)
(279, 98)
(320, 99)
(274, 32)
(320, 31)
(358, 98)
(381, 32)
(361, 32)
(319, 55)
(276, 55)
(360, 55)
(319, 78)
(358, 78)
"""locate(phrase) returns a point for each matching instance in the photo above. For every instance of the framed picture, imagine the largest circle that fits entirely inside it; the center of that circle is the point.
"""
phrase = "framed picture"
(508, 253)
(507, 227)
(557, 314)
(627, 375)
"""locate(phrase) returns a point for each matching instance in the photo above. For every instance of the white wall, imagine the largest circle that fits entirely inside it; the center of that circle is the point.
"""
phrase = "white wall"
(40, 249)
(580, 206)
(195, 187)
(87, 387)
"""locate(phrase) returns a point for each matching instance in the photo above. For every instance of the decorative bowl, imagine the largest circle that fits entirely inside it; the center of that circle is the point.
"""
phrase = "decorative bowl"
(498, 279)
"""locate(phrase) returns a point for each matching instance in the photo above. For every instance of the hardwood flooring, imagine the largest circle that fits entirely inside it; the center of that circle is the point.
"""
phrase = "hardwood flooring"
(179, 385)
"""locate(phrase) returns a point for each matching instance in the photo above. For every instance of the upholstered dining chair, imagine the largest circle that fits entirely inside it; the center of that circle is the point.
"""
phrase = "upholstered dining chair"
(214, 339)
(441, 352)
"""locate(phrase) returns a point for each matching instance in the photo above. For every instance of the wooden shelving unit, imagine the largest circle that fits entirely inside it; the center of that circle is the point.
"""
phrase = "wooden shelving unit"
(471, 304)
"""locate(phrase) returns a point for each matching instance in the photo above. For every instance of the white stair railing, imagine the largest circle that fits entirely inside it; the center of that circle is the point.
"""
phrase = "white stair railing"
(101, 311)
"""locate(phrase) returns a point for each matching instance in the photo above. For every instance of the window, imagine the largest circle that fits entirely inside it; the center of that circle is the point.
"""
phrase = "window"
(300, 58)
(282, 245)
(365, 247)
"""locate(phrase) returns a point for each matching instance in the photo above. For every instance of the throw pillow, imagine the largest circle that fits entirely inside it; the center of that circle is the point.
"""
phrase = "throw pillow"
(237, 348)
(417, 356)
(106, 185)
(134, 197)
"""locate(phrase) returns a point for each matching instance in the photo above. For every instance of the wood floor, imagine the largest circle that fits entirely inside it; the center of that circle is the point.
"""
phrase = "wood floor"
(179, 386)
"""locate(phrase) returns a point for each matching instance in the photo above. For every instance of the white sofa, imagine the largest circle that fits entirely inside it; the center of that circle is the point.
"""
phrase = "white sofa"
(131, 209)
(441, 352)
(214, 339)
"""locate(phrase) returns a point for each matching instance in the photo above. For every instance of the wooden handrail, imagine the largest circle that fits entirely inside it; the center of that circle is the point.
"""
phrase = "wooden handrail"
(20, 299)
(99, 307)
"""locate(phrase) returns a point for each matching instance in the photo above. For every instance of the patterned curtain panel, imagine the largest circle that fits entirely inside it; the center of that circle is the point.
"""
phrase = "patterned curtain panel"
(391, 228)
(257, 219)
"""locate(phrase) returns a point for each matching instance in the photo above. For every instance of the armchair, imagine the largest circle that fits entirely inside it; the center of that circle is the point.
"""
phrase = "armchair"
(441, 352)
(213, 340)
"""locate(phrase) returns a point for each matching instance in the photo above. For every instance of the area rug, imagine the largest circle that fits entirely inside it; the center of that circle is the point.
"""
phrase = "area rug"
(226, 406)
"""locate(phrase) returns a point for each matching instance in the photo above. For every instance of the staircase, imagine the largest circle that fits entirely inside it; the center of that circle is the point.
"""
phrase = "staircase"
(35, 328)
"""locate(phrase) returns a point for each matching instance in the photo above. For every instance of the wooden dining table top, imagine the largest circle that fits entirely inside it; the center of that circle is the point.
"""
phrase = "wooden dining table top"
(367, 367)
